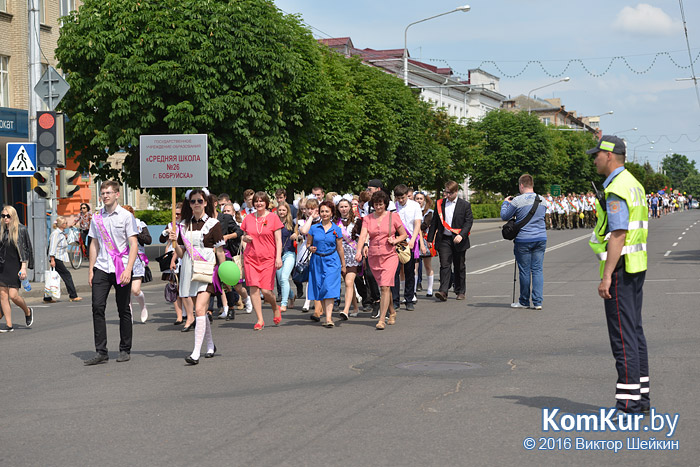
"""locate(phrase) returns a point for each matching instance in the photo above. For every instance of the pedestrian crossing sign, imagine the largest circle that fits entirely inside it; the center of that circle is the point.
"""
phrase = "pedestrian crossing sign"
(21, 159)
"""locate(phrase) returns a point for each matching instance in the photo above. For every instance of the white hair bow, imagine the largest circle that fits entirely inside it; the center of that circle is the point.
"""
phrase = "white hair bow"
(187, 194)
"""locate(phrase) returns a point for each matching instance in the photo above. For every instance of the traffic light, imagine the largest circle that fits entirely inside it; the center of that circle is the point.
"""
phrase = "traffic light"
(66, 188)
(46, 139)
(44, 186)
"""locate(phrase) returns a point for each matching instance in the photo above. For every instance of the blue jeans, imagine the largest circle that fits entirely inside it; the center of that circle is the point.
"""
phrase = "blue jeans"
(288, 262)
(530, 256)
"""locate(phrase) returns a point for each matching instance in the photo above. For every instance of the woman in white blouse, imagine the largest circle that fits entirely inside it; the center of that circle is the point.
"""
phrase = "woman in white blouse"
(58, 255)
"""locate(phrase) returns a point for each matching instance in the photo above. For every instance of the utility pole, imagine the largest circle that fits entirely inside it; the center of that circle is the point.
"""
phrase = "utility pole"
(36, 206)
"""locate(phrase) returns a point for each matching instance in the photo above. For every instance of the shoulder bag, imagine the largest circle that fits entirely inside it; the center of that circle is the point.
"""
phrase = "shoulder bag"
(301, 270)
(510, 229)
(401, 247)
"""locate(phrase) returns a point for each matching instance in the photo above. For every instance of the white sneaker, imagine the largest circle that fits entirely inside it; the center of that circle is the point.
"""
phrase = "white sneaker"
(223, 314)
(415, 299)
(518, 305)
(538, 307)
(248, 306)
(144, 314)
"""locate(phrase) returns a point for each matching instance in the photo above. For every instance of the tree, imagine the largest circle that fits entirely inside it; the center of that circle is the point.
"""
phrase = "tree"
(656, 182)
(569, 165)
(691, 185)
(677, 167)
(513, 144)
(241, 72)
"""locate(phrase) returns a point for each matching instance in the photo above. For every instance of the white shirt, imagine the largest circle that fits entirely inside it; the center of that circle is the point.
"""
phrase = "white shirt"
(409, 213)
(449, 214)
(366, 209)
(120, 225)
(58, 245)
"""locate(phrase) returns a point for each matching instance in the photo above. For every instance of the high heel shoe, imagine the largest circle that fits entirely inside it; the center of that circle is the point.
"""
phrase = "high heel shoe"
(392, 319)
(210, 354)
(191, 360)
(188, 328)
(380, 326)
(258, 326)
(277, 320)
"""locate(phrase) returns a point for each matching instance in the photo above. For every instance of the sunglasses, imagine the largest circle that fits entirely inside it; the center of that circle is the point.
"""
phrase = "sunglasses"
(5, 216)
(197, 201)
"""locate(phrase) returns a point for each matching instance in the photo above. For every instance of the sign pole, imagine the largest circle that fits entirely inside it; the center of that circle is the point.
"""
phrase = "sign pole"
(173, 208)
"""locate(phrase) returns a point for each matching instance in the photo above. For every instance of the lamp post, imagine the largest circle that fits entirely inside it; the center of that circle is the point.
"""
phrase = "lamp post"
(645, 144)
(464, 8)
(546, 85)
(609, 112)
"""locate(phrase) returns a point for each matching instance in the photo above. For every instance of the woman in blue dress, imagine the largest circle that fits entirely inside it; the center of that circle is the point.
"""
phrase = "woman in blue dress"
(325, 241)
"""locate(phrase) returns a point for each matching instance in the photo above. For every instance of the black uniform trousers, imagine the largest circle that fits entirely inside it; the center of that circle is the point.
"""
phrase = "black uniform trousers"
(101, 285)
(629, 346)
(449, 258)
(367, 285)
(63, 271)
(409, 270)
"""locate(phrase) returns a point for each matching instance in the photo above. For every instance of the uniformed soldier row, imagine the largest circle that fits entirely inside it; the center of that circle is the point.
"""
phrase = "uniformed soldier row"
(570, 211)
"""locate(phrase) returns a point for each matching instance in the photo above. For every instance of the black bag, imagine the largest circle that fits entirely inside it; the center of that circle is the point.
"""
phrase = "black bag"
(171, 289)
(147, 275)
(164, 261)
(510, 229)
(301, 270)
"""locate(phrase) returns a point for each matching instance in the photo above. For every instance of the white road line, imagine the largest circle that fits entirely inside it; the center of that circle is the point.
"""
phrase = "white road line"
(512, 261)
(680, 238)
(667, 253)
(675, 244)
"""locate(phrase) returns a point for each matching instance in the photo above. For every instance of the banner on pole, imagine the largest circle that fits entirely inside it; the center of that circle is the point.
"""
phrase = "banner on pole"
(174, 161)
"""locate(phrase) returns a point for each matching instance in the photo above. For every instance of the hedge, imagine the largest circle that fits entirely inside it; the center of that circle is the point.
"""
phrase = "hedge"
(486, 211)
(154, 217)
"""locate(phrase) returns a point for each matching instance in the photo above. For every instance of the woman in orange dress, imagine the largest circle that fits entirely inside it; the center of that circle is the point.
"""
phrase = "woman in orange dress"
(262, 255)
(381, 227)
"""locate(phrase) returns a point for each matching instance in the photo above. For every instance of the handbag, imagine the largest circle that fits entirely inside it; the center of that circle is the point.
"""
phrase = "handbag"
(238, 259)
(510, 229)
(428, 252)
(164, 261)
(401, 247)
(301, 269)
(202, 271)
(52, 284)
(147, 275)
(171, 289)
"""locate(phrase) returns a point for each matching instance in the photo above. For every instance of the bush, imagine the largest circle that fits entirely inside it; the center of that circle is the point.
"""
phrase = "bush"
(486, 211)
(154, 217)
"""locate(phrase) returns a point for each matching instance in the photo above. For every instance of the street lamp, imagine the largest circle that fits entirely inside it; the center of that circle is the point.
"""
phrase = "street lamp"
(625, 131)
(609, 112)
(464, 8)
(546, 85)
(645, 144)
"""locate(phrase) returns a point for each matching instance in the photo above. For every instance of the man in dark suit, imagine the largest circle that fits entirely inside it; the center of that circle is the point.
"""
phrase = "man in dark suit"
(449, 232)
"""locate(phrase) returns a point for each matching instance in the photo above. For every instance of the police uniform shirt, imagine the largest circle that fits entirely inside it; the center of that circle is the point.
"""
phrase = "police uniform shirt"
(618, 212)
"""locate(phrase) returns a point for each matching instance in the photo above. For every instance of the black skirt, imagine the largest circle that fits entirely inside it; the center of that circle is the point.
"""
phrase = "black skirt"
(9, 269)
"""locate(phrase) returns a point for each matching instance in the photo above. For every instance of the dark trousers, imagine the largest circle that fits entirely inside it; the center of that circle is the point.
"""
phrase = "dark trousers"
(449, 258)
(63, 271)
(629, 346)
(409, 271)
(101, 285)
(370, 290)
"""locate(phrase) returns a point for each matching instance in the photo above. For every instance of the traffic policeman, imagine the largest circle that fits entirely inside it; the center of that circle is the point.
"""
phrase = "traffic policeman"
(619, 241)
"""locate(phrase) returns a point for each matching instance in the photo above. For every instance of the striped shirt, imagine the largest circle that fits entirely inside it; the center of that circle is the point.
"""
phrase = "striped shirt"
(58, 245)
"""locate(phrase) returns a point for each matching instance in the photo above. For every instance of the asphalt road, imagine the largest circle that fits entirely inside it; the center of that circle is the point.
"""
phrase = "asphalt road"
(301, 394)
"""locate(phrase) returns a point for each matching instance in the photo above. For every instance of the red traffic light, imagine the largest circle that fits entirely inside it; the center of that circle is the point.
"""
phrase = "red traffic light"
(47, 121)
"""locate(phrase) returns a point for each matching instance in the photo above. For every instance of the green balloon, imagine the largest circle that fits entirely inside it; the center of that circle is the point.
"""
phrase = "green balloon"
(229, 273)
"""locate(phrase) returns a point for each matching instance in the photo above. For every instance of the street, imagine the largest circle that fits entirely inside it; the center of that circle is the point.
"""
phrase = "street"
(455, 383)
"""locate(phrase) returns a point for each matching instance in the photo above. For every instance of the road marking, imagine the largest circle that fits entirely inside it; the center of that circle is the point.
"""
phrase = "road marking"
(40, 306)
(562, 282)
(680, 238)
(512, 261)
(675, 244)
(667, 253)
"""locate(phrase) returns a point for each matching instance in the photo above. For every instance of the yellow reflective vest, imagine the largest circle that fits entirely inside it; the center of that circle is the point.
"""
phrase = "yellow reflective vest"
(626, 187)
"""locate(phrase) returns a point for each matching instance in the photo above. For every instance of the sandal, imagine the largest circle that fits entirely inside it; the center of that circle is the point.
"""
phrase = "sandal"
(329, 324)
(380, 325)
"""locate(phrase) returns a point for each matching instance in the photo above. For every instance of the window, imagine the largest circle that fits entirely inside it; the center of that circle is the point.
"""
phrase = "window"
(41, 5)
(3, 5)
(546, 120)
(66, 6)
(4, 81)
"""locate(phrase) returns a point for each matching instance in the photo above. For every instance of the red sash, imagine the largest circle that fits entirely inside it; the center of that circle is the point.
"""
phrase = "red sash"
(442, 219)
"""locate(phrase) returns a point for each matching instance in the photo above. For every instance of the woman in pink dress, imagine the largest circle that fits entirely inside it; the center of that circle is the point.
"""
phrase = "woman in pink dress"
(381, 226)
(262, 255)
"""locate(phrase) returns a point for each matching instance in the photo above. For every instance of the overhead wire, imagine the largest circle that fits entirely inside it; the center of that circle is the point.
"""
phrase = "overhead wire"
(690, 56)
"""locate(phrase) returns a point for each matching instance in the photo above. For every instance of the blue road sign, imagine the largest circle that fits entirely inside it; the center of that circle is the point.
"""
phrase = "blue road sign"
(21, 159)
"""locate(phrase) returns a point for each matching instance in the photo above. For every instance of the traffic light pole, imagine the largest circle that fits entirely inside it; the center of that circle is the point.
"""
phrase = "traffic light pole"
(36, 208)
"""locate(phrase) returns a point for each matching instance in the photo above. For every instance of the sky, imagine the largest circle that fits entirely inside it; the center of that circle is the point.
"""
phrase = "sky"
(513, 32)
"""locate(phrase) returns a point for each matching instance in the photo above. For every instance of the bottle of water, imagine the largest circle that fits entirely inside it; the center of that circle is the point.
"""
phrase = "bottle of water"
(27, 286)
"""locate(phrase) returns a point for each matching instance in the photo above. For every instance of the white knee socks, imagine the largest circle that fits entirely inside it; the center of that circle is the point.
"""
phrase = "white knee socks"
(199, 330)
(431, 279)
(208, 337)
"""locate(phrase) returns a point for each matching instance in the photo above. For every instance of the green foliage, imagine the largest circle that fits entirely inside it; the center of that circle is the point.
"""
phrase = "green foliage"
(691, 185)
(485, 197)
(638, 171)
(154, 217)
(486, 211)
(656, 182)
(677, 167)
